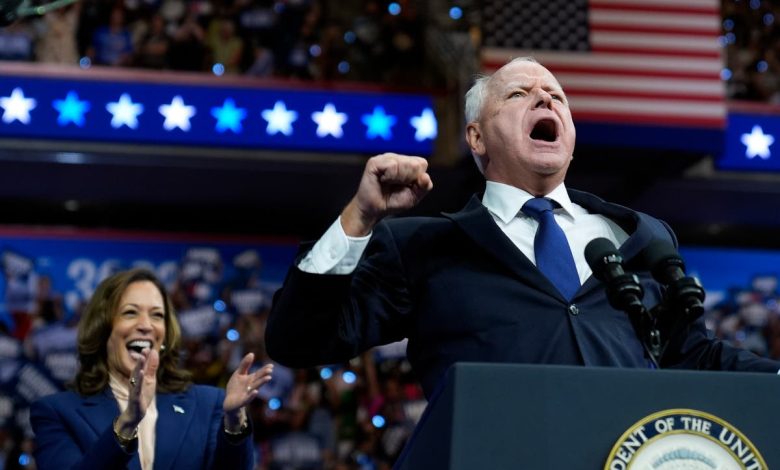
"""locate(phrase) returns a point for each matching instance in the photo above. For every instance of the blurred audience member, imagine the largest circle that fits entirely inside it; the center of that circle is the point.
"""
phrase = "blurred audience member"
(187, 48)
(57, 42)
(262, 63)
(112, 44)
(153, 48)
(226, 47)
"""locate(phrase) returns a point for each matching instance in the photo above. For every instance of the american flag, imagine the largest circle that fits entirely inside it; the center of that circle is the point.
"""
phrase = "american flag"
(655, 62)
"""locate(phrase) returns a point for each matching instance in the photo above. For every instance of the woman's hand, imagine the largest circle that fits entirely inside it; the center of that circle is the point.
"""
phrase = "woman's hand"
(143, 385)
(243, 386)
(241, 389)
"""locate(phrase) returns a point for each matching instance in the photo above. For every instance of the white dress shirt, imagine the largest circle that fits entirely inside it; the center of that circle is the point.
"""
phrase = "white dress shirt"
(337, 253)
(580, 227)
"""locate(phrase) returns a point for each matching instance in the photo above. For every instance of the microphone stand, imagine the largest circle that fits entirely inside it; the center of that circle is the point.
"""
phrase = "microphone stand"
(681, 306)
(625, 293)
(683, 295)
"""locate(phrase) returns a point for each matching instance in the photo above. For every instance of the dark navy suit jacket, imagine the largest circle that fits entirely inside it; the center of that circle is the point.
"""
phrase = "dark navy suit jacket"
(460, 290)
(75, 432)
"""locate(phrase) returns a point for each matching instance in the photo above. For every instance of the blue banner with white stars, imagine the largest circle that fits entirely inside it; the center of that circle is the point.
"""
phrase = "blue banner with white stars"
(750, 142)
(217, 116)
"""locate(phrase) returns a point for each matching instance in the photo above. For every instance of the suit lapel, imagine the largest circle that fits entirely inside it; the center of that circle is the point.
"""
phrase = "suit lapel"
(639, 234)
(175, 412)
(478, 224)
(99, 411)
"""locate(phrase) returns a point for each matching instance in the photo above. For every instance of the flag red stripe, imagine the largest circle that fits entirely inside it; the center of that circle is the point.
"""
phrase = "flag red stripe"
(574, 91)
(686, 9)
(608, 71)
(654, 30)
(637, 50)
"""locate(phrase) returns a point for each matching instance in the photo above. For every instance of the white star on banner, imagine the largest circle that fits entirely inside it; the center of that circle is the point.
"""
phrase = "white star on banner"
(177, 114)
(757, 143)
(279, 119)
(424, 125)
(329, 121)
(17, 107)
(124, 112)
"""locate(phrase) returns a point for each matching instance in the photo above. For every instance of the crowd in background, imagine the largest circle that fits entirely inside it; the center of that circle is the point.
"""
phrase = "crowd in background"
(321, 39)
(307, 39)
(749, 316)
(751, 40)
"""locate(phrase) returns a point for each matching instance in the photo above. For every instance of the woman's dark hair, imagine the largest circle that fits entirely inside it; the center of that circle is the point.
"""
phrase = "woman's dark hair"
(95, 328)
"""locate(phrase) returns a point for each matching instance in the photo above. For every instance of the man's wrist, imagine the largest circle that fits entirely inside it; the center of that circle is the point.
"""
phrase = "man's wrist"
(354, 222)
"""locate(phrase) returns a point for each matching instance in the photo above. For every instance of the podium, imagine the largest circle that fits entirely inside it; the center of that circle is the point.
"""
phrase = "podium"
(509, 416)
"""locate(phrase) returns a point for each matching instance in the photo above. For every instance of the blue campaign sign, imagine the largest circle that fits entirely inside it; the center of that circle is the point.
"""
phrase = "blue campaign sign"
(750, 143)
(196, 114)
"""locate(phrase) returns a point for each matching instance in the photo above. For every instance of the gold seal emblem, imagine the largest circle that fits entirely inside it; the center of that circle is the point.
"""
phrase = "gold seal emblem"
(683, 438)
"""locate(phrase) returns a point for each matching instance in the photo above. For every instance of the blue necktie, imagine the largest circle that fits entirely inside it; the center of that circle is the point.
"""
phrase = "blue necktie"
(551, 249)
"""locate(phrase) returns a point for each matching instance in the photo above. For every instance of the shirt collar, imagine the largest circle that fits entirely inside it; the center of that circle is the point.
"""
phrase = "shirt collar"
(505, 201)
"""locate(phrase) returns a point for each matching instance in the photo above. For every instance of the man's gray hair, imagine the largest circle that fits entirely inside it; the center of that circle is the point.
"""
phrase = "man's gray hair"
(475, 99)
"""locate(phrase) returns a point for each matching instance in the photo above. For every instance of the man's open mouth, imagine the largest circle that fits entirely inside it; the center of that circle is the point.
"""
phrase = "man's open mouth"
(545, 130)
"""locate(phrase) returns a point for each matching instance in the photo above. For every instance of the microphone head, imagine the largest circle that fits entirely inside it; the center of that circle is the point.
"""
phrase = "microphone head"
(600, 252)
(660, 255)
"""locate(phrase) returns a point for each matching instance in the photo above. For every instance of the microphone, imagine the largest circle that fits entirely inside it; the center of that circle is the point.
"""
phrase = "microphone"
(668, 268)
(624, 291)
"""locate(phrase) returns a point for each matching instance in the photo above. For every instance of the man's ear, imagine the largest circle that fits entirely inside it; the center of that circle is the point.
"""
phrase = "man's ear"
(474, 139)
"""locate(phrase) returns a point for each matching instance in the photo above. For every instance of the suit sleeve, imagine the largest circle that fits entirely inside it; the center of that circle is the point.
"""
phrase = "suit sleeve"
(692, 346)
(56, 447)
(323, 319)
(233, 452)
(699, 349)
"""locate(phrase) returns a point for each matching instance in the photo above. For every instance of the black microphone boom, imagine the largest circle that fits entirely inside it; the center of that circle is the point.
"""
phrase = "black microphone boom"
(624, 291)
(668, 268)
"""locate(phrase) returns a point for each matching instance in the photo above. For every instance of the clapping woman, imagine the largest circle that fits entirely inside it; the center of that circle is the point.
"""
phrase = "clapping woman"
(132, 405)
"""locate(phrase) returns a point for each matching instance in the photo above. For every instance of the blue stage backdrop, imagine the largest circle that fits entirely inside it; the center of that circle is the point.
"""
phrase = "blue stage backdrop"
(725, 270)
